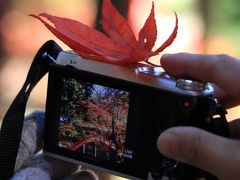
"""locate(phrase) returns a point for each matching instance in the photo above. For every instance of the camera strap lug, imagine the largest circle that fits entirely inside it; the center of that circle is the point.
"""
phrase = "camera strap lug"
(12, 124)
(218, 122)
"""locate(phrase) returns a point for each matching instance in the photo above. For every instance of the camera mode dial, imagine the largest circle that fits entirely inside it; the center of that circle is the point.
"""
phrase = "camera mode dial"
(191, 85)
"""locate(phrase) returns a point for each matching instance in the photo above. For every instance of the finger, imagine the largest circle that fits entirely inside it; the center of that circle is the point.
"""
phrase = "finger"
(221, 70)
(202, 149)
(224, 98)
(234, 127)
(85, 175)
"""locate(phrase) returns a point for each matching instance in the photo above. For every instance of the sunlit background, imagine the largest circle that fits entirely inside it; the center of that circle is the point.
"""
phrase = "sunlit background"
(205, 26)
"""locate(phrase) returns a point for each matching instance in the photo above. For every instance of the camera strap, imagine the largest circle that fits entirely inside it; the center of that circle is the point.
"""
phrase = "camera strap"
(12, 124)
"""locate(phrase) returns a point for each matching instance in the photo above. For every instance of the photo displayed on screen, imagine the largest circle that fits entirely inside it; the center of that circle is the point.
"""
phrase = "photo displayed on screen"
(93, 120)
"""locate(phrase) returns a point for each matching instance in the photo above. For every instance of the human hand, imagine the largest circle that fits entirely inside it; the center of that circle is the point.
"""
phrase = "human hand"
(215, 154)
(221, 70)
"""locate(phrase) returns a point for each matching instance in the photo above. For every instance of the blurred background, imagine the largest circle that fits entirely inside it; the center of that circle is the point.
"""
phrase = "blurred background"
(204, 27)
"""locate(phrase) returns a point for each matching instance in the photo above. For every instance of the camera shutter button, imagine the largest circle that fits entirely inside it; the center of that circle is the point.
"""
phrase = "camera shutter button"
(190, 85)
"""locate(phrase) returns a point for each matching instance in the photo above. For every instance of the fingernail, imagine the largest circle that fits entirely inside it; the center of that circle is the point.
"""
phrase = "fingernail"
(168, 144)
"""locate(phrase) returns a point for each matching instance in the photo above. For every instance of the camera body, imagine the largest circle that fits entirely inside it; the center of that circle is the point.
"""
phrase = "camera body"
(108, 117)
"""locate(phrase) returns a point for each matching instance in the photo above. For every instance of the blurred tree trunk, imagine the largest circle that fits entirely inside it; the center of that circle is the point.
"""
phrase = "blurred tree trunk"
(5, 6)
(121, 5)
(204, 12)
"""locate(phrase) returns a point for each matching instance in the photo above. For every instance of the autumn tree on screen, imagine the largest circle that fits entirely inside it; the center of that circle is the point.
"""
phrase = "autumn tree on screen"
(93, 111)
(73, 93)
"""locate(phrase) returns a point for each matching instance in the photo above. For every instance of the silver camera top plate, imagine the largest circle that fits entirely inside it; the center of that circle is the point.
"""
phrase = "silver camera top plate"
(137, 73)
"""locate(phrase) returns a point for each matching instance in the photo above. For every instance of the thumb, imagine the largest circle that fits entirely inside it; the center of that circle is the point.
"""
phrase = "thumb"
(217, 155)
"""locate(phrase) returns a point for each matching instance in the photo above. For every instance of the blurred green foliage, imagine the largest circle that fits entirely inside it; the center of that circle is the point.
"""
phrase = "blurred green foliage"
(223, 19)
(177, 5)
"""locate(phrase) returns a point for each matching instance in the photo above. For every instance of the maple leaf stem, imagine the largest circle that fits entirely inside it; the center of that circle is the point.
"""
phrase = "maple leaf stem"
(152, 64)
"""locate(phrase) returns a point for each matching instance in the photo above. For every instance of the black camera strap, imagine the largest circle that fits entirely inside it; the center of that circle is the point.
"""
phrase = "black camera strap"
(12, 124)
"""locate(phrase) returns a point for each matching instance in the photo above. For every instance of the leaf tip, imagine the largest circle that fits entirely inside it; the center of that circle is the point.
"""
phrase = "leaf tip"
(32, 15)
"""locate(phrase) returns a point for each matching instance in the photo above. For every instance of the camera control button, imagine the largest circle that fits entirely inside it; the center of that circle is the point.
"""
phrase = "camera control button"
(168, 164)
(191, 85)
(166, 76)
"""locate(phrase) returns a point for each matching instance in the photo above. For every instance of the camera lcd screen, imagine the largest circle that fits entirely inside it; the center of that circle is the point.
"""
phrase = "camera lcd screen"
(93, 120)
(96, 121)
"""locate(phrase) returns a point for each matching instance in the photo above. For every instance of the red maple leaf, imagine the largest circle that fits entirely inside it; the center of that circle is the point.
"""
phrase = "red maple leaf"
(118, 45)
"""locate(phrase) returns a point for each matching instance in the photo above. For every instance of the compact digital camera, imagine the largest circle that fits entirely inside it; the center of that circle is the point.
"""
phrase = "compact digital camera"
(108, 117)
